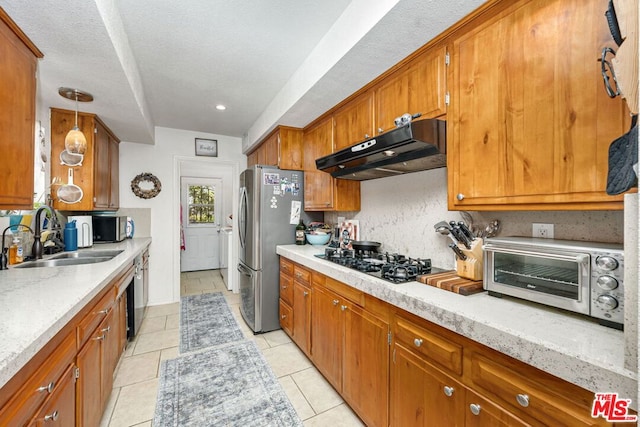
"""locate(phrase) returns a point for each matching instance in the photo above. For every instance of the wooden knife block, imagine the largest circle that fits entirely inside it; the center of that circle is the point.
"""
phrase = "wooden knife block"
(471, 268)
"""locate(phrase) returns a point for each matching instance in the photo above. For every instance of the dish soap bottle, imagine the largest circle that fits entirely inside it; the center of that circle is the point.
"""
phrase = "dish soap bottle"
(15, 251)
(70, 236)
(300, 239)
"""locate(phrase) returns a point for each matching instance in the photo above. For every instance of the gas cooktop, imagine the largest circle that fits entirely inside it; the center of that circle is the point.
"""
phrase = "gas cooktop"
(394, 268)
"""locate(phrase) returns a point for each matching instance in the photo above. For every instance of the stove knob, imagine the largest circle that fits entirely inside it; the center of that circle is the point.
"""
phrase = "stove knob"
(607, 282)
(607, 302)
(607, 263)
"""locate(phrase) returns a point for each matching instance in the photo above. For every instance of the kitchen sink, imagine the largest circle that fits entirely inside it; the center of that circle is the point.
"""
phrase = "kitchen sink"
(88, 254)
(63, 261)
(73, 258)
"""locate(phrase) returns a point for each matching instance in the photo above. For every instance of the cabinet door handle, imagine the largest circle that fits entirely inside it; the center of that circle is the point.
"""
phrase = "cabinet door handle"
(448, 391)
(417, 342)
(366, 135)
(48, 388)
(460, 196)
(52, 417)
(343, 307)
(284, 286)
(99, 338)
(474, 408)
(305, 293)
(298, 275)
(105, 311)
(284, 316)
(335, 302)
(380, 130)
(107, 329)
(523, 400)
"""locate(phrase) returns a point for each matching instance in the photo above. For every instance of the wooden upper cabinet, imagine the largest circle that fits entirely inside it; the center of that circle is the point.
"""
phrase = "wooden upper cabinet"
(282, 148)
(18, 63)
(530, 122)
(322, 192)
(353, 122)
(98, 176)
(417, 87)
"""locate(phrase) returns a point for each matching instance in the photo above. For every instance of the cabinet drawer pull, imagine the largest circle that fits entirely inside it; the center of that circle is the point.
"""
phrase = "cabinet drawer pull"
(523, 400)
(105, 311)
(343, 307)
(284, 316)
(417, 342)
(305, 293)
(298, 274)
(107, 329)
(52, 417)
(474, 408)
(335, 302)
(99, 338)
(448, 391)
(48, 388)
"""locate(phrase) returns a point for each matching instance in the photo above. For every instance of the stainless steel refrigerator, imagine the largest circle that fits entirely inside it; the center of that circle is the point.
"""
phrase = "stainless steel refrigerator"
(271, 200)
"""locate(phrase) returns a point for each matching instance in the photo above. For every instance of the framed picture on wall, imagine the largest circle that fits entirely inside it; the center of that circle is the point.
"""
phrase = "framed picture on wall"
(207, 147)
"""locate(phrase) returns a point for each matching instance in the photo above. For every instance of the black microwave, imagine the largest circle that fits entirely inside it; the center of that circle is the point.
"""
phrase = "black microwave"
(109, 228)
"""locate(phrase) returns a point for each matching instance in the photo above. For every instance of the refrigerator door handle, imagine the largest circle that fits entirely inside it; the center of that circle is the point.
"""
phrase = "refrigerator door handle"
(245, 271)
(242, 217)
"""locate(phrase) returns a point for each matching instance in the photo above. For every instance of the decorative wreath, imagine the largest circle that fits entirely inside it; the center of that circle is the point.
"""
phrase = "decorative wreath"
(146, 193)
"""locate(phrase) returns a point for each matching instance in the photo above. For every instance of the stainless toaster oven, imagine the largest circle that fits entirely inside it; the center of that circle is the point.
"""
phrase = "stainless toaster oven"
(582, 277)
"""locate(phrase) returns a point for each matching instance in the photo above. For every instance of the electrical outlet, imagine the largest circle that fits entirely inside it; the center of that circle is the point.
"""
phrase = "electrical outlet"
(542, 230)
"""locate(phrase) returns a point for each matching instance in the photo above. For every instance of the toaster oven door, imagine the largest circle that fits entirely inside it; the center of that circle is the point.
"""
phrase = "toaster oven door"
(552, 278)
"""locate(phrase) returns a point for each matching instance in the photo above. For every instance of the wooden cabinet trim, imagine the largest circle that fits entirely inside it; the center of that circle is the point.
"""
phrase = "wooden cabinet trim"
(20, 34)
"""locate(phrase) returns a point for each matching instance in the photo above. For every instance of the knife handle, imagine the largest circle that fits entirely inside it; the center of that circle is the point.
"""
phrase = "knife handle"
(466, 230)
(458, 252)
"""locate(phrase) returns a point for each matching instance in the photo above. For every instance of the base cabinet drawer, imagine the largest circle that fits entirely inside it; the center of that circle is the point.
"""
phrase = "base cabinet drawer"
(286, 317)
(60, 408)
(529, 392)
(41, 385)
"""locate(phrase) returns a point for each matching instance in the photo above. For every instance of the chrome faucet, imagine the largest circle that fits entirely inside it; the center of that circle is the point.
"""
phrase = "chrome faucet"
(37, 248)
(3, 255)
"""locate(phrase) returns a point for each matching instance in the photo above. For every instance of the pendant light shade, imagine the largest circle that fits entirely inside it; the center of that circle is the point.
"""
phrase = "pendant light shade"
(75, 141)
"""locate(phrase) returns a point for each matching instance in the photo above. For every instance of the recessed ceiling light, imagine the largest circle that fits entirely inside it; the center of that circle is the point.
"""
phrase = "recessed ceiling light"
(220, 107)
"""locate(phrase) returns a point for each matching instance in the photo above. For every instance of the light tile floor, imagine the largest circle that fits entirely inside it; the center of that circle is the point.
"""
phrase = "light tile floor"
(133, 398)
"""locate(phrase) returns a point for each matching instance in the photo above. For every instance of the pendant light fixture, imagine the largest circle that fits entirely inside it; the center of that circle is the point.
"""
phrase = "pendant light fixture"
(75, 141)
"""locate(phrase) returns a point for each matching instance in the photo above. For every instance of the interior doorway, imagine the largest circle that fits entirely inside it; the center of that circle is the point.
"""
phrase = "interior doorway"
(201, 202)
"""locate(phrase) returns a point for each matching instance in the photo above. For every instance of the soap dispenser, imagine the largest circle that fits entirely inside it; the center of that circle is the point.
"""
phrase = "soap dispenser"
(70, 236)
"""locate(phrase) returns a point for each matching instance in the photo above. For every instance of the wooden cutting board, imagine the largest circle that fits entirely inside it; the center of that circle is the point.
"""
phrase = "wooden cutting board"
(450, 281)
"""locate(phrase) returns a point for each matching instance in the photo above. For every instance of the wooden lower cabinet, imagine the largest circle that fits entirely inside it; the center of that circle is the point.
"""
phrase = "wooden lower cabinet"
(326, 333)
(69, 381)
(422, 395)
(365, 364)
(302, 318)
(59, 410)
(350, 347)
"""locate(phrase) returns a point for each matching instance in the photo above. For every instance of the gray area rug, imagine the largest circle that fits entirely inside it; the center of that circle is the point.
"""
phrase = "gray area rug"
(230, 385)
(206, 321)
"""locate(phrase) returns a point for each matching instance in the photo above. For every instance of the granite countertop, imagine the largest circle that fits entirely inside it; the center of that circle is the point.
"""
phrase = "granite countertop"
(568, 346)
(36, 303)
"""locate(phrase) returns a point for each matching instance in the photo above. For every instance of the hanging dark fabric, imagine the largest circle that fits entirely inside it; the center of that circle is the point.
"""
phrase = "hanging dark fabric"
(623, 156)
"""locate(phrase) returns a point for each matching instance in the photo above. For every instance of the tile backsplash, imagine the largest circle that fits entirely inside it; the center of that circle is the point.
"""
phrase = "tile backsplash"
(400, 213)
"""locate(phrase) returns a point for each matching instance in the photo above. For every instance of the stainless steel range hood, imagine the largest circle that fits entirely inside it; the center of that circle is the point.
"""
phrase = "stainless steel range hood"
(415, 146)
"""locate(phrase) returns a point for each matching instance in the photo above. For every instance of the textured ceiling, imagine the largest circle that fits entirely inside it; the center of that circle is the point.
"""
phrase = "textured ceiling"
(165, 63)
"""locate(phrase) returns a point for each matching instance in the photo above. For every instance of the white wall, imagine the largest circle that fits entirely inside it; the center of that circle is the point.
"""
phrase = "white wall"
(174, 154)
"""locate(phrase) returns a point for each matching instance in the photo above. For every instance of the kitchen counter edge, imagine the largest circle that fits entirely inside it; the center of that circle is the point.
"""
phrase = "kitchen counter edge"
(63, 290)
(568, 346)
